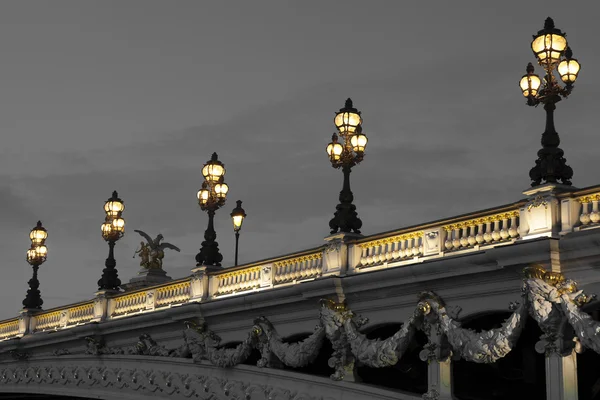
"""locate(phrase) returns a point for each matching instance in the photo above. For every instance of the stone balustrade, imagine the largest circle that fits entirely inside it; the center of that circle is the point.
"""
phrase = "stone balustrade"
(394, 248)
(48, 320)
(241, 280)
(80, 314)
(545, 212)
(482, 231)
(589, 214)
(9, 329)
(298, 268)
(175, 293)
(128, 303)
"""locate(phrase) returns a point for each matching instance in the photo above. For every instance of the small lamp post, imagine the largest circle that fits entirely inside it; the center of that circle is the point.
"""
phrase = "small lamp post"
(113, 229)
(211, 197)
(237, 217)
(36, 255)
(345, 155)
(553, 54)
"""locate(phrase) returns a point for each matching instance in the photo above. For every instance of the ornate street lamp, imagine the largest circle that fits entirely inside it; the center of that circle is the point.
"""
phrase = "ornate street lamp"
(113, 229)
(553, 53)
(36, 255)
(211, 197)
(345, 155)
(237, 217)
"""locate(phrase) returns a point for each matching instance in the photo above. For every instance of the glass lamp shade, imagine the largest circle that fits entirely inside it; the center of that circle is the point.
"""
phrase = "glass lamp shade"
(107, 229)
(37, 254)
(569, 70)
(118, 225)
(530, 84)
(203, 195)
(38, 234)
(214, 169)
(549, 48)
(237, 220)
(549, 44)
(221, 190)
(347, 119)
(237, 216)
(114, 206)
(334, 151)
(358, 142)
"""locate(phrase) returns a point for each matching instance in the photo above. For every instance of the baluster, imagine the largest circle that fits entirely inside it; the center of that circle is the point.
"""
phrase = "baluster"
(448, 242)
(584, 217)
(513, 231)
(471, 239)
(594, 215)
(420, 248)
(402, 251)
(479, 237)
(363, 256)
(504, 231)
(487, 236)
(395, 252)
(496, 232)
(456, 240)
(415, 247)
(464, 241)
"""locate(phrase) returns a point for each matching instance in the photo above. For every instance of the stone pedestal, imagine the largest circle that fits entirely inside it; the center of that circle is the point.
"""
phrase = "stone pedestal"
(561, 377)
(336, 260)
(540, 217)
(439, 380)
(145, 278)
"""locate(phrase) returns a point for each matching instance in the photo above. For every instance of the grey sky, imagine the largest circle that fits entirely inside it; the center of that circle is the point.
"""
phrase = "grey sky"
(136, 95)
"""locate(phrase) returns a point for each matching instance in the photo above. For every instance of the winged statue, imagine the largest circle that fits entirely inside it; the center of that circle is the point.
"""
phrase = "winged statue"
(152, 252)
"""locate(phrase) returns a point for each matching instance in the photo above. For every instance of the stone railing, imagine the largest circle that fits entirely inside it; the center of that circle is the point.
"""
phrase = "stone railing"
(241, 280)
(589, 215)
(129, 303)
(298, 268)
(546, 211)
(394, 248)
(9, 329)
(80, 314)
(174, 293)
(48, 320)
(482, 231)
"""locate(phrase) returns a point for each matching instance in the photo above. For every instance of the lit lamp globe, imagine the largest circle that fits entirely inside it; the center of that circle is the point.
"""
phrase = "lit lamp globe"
(530, 82)
(107, 230)
(221, 190)
(347, 119)
(118, 226)
(549, 44)
(568, 69)
(203, 195)
(334, 149)
(237, 216)
(114, 206)
(213, 170)
(37, 255)
(358, 142)
(38, 234)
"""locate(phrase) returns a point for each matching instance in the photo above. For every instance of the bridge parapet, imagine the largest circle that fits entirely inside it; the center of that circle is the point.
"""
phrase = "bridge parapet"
(547, 211)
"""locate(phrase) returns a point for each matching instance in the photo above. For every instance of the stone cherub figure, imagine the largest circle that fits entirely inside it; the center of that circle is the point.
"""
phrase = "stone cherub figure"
(152, 252)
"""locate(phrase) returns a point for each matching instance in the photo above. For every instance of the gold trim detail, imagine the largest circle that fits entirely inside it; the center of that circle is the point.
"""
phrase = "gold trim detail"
(481, 221)
(391, 239)
(589, 198)
(295, 260)
(239, 272)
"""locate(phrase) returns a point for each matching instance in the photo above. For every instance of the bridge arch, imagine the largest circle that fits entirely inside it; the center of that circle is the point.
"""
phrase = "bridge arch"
(143, 377)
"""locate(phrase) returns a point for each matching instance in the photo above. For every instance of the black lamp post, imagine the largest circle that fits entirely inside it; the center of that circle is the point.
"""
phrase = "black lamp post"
(237, 217)
(36, 255)
(211, 197)
(345, 155)
(553, 53)
(113, 229)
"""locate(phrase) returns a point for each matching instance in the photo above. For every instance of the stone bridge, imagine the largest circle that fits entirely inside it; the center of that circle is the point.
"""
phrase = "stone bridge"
(487, 305)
